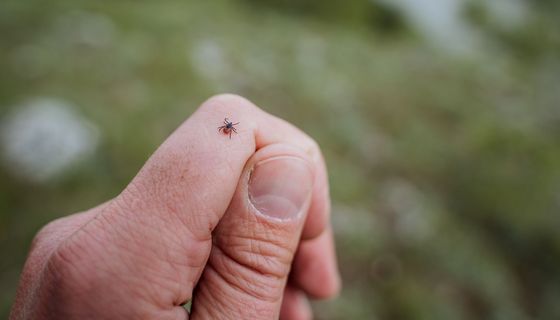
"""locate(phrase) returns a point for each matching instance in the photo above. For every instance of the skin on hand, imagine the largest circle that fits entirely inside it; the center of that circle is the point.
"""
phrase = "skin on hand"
(240, 227)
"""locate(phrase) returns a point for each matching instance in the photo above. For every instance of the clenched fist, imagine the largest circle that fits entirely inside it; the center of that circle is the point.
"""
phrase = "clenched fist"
(238, 226)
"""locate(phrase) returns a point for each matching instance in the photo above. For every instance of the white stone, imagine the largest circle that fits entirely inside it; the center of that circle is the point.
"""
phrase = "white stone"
(42, 138)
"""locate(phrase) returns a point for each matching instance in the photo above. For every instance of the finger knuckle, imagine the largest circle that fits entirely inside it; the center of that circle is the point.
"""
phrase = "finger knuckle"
(47, 235)
(65, 278)
(230, 100)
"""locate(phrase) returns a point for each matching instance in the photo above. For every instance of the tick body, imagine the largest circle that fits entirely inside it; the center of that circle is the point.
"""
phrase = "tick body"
(228, 127)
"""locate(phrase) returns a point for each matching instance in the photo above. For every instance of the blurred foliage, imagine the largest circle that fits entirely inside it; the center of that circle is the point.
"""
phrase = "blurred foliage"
(445, 169)
(355, 13)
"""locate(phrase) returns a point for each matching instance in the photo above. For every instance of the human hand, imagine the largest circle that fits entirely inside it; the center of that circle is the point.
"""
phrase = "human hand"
(239, 226)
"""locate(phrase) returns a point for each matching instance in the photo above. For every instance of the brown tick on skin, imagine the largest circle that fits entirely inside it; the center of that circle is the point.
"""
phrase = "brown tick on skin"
(228, 127)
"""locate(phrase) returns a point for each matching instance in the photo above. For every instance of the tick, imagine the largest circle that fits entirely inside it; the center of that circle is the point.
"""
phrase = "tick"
(228, 127)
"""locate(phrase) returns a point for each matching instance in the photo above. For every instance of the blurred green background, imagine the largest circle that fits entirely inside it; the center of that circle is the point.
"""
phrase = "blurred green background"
(439, 120)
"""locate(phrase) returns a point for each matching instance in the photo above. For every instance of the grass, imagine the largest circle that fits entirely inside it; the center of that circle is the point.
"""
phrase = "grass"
(445, 171)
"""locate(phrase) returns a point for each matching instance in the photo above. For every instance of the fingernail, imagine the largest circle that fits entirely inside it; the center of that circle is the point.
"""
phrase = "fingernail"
(279, 187)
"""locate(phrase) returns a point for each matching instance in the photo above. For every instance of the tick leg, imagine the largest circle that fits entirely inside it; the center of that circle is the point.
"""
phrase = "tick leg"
(235, 124)
(234, 130)
(230, 134)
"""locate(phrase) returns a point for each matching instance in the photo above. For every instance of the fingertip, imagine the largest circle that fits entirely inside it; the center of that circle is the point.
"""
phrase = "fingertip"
(315, 269)
(234, 107)
(229, 99)
(318, 216)
(320, 208)
(295, 305)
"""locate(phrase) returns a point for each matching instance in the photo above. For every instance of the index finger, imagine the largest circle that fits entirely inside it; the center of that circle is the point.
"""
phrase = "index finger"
(219, 162)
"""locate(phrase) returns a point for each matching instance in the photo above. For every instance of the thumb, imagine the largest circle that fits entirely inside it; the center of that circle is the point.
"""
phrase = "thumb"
(254, 243)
